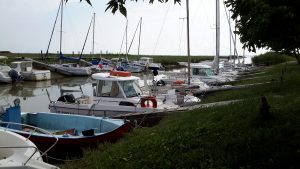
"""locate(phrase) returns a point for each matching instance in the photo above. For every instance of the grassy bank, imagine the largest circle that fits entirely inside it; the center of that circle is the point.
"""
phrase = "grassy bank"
(238, 135)
(163, 59)
(271, 58)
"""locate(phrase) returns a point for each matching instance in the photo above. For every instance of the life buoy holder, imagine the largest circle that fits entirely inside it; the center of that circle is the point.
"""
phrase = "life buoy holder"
(120, 73)
(145, 101)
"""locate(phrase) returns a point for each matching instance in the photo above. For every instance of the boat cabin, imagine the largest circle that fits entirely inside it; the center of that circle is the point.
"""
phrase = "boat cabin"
(3, 60)
(116, 86)
(201, 70)
(3, 66)
(22, 66)
(145, 60)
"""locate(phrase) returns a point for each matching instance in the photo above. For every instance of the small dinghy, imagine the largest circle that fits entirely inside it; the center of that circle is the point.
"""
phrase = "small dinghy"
(19, 152)
(74, 132)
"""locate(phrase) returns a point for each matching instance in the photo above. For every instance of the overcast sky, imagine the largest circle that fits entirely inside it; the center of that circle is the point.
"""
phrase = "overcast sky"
(26, 26)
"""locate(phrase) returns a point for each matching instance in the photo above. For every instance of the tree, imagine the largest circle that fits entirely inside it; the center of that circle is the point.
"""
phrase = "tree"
(272, 24)
(115, 5)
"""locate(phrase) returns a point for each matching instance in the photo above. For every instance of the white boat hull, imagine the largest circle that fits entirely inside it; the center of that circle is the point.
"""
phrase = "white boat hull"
(19, 152)
(4, 77)
(71, 71)
(107, 108)
(37, 75)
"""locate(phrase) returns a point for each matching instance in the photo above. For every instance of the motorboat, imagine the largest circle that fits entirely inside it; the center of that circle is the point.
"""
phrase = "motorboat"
(4, 76)
(206, 74)
(25, 68)
(167, 80)
(131, 66)
(116, 92)
(7, 74)
(17, 151)
(148, 63)
(123, 64)
(63, 134)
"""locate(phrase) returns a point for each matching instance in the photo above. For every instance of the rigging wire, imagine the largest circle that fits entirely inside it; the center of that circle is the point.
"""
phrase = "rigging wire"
(180, 35)
(86, 37)
(123, 38)
(231, 34)
(161, 28)
(134, 35)
(47, 52)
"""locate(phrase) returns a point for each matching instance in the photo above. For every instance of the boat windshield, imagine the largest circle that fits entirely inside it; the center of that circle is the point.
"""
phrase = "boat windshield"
(203, 71)
(130, 88)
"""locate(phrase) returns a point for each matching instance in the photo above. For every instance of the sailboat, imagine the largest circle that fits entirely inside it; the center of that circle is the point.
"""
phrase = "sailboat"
(70, 69)
(210, 72)
(124, 63)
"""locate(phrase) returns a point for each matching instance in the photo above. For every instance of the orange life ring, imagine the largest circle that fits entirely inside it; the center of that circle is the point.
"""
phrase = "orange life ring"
(120, 73)
(178, 82)
(147, 99)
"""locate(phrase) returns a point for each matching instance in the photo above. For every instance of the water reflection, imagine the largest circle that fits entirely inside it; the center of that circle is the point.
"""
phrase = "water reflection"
(35, 96)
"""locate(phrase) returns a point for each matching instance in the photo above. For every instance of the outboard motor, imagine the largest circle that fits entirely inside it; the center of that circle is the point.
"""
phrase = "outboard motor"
(15, 76)
(67, 98)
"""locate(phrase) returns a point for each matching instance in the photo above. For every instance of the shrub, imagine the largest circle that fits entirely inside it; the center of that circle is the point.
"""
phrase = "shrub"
(271, 58)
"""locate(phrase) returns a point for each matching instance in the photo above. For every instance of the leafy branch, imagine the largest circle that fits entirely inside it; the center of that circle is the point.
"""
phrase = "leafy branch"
(115, 5)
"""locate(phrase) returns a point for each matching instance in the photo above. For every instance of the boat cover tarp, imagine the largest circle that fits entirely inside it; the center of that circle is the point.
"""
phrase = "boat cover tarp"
(62, 57)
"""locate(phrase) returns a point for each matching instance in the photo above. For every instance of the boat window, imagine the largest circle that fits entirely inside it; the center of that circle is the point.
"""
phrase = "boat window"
(209, 72)
(108, 89)
(14, 65)
(202, 72)
(130, 88)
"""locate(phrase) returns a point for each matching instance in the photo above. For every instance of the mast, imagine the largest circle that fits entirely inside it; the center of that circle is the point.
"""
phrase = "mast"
(140, 36)
(93, 47)
(61, 24)
(216, 58)
(238, 58)
(234, 42)
(126, 30)
(188, 41)
(232, 38)
(229, 22)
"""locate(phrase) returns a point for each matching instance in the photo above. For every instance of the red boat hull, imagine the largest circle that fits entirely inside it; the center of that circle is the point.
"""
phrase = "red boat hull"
(67, 147)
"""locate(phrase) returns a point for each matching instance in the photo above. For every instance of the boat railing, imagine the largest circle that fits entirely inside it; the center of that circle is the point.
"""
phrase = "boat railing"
(21, 147)
(35, 129)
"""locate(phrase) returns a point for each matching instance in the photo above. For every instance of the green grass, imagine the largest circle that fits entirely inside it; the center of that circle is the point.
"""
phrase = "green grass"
(271, 58)
(163, 59)
(232, 136)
